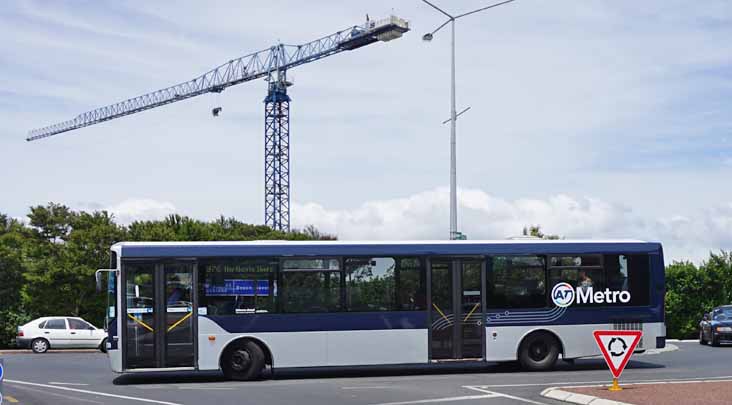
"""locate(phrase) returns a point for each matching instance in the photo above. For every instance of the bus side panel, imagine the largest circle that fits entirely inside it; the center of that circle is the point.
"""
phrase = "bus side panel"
(576, 340)
(316, 349)
(289, 349)
(368, 347)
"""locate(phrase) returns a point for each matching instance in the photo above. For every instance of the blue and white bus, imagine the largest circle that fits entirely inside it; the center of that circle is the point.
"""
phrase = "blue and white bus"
(241, 307)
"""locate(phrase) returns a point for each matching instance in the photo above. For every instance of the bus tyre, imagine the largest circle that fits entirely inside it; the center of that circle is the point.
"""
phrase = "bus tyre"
(39, 345)
(538, 351)
(243, 361)
(103, 346)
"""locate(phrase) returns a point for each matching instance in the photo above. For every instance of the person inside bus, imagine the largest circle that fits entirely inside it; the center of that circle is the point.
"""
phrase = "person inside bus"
(175, 296)
(584, 280)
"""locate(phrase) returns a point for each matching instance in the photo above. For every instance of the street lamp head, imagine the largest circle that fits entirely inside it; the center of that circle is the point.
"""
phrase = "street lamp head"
(427, 37)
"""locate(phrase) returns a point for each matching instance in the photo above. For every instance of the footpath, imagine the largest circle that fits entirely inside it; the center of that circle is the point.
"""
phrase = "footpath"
(708, 392)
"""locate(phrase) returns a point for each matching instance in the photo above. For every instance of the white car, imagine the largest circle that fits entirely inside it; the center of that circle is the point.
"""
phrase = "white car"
(60, 333)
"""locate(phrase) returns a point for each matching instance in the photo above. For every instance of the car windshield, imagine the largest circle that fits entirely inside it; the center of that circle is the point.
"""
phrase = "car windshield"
(723, 314)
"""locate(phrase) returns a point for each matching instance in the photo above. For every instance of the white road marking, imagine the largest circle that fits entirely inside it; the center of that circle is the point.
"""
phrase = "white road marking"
(539, 384)
(65, 383)
(552, 384)
(498, 394)
(54, 394)
(104, 394)
(440, 400)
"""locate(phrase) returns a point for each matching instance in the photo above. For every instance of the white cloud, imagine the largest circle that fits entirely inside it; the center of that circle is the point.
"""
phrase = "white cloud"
(482, 216)
(140, 209)
(619, 101)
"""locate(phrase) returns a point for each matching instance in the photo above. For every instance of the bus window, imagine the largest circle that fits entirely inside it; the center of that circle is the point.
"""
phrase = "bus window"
(370, 284)
(629, 273)
(238, 287)
(583, 271)
(410, 284)
(516, 282)
(311, 285)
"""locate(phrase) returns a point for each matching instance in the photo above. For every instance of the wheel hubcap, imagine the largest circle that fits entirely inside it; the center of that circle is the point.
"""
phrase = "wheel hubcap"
(538, 350)
(40, 346)
(240, 360)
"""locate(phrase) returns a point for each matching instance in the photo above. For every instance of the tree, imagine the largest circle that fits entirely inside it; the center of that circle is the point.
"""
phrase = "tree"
(691, 291)
(66, 248)
(311, 232)
(12, 268)
(47, 267)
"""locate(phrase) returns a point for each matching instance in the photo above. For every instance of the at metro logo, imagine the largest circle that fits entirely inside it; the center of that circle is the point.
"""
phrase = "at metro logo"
(589, 296)
(564, 295)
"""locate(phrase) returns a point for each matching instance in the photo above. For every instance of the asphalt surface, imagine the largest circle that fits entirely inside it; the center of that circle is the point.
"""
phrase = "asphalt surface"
(85, 378)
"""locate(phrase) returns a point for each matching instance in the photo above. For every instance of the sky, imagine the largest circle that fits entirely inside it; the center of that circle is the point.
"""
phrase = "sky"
(594, 119)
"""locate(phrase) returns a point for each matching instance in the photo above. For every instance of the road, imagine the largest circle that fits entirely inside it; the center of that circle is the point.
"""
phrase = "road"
(85, 378)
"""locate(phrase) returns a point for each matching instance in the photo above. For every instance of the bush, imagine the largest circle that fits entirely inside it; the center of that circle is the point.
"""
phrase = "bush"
(691, 291)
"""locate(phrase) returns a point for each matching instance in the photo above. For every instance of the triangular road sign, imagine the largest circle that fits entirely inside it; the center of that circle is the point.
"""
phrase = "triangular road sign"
(617, 346)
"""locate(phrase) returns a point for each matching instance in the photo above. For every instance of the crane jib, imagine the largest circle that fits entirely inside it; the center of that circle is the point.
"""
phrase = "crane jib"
(260, 64)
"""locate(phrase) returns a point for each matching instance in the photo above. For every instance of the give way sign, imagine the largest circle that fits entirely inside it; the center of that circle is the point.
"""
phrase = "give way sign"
(617, 346)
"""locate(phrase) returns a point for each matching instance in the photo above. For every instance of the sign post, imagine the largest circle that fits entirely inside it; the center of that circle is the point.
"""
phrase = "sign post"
(617, 346)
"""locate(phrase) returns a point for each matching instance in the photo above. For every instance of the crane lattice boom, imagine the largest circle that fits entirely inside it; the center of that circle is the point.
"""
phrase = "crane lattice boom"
(260, 64)
(271, 64)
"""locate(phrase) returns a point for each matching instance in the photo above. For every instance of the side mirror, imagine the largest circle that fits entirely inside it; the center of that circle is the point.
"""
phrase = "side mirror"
(98, 277)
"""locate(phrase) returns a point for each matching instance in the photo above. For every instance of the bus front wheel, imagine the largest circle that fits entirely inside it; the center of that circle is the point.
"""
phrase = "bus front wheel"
(243, 361)
(539, 351)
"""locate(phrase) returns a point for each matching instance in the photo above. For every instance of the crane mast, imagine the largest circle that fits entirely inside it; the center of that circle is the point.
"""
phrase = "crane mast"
(271, 64)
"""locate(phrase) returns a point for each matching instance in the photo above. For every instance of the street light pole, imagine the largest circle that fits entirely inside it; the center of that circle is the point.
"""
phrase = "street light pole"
(454, 234)
(453, 153)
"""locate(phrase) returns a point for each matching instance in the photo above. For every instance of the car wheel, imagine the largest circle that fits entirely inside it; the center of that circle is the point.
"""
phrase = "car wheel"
(243, 362)
(701, 338)
(715, 340)
(103, 346)
(39, 345)
(539, 351)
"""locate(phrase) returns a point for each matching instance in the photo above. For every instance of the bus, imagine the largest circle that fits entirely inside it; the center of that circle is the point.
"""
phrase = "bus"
(246, 307)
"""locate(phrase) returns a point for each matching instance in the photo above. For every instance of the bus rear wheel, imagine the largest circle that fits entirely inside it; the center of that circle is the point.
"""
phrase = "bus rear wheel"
(243, 361)
(539, 351)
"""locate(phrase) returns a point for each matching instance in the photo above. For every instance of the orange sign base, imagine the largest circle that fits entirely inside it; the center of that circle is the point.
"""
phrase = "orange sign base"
(615, 386)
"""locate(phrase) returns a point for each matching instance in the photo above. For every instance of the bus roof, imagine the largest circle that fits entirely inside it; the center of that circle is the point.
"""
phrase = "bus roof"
(340, 248)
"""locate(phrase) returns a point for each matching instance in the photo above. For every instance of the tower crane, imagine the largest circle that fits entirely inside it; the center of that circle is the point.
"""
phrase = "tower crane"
(271, 64)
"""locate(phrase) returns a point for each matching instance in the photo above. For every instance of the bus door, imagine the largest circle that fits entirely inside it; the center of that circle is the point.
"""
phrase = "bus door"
(457, 300)
(160, 322)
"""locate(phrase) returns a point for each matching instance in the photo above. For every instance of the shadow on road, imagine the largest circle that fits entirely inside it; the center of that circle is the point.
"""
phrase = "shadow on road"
(369, 371)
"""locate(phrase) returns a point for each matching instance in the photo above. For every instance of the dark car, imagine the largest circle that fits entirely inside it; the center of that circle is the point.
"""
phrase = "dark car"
(716, 326)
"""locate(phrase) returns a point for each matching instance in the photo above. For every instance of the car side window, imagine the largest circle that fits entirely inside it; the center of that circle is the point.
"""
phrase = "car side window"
(77, 324)
(55, 324)
(42, 325)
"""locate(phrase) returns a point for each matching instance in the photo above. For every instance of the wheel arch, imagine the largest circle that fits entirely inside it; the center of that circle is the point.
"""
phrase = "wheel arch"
(48, 342)
(540, 330)
(268, 358)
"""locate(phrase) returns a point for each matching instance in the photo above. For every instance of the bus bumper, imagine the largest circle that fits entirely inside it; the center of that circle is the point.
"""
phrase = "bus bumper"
(115, 360)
